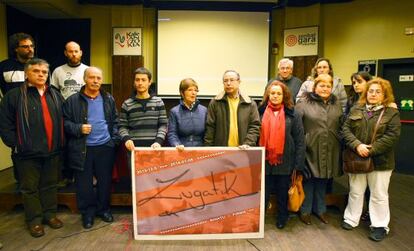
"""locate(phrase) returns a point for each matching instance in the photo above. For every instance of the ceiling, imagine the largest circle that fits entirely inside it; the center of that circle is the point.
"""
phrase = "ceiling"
(50, 9)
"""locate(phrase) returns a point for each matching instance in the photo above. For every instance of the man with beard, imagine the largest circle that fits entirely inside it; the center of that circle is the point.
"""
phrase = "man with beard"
(68, 78)
(21, 47)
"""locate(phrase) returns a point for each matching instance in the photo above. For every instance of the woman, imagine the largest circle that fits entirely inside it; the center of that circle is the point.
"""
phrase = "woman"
(322, 115)
(324, 66)
(359, 84)
(357, 131)
(187, 120)
(282, 136)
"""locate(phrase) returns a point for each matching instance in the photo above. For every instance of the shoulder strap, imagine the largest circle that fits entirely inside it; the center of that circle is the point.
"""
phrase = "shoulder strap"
(376, 125)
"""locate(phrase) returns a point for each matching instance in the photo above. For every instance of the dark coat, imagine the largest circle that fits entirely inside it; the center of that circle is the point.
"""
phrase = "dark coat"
(186, 127)
(322, 123)
(24, 130)
(359, 127)
(294, 148)
(218, 121)
(75, 112)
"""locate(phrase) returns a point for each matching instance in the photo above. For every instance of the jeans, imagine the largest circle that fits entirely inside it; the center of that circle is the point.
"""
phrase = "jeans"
(315, 190)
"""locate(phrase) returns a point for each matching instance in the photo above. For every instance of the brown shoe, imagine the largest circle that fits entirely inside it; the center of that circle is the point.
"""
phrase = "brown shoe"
(54, 223)
(36, 230)
(305, 218)
(324, 218)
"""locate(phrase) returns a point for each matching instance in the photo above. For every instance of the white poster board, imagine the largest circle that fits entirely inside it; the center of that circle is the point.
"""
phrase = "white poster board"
(199, 193)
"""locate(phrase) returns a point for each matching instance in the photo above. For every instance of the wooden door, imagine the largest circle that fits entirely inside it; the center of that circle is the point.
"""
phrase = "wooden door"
(302, 66)
(123, 68)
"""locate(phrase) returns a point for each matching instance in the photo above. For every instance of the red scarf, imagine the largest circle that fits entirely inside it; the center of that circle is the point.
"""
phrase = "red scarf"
(272, 134)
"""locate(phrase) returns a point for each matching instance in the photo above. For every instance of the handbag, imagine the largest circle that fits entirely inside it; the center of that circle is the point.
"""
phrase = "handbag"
(353, 163)
(296, 195)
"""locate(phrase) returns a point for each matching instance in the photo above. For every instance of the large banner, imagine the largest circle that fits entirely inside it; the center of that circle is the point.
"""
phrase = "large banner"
(198, 193)
(301, 42)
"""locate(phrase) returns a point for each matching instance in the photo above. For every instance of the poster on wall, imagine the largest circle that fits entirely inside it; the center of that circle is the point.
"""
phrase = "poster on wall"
(369, 66)
(301, 41)
(127, 41)
(198, 193)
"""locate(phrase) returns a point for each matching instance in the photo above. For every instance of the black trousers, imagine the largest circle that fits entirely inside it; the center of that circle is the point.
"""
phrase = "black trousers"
(278, 184)
(38, 178)
(99, 162)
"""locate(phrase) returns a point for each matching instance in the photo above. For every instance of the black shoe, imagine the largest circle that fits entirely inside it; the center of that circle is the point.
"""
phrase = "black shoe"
(281, 224)
(107, 217)
(346, 226)
(365, 216)
(87, 222)
(377, 233)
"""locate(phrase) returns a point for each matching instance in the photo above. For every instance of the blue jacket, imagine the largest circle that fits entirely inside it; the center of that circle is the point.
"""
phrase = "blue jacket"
(75, 113)
(186, 127)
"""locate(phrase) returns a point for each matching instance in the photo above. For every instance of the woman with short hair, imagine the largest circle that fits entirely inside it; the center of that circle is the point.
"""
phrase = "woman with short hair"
(186, 124)
(322, 115)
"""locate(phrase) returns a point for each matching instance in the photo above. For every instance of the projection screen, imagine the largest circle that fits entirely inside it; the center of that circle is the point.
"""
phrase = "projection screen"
(204, 44)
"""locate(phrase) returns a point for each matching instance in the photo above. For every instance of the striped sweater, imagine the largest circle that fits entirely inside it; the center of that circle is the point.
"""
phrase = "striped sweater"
(143, 120)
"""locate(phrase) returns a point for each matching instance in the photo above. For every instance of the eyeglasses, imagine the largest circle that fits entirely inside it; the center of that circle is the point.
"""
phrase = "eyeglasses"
(27, 46)
(231, 80)
(373, 91)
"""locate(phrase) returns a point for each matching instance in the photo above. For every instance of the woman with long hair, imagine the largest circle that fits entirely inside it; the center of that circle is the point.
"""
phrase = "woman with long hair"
(324, 66)
(359, 84)
(282, 136)
(358, 132)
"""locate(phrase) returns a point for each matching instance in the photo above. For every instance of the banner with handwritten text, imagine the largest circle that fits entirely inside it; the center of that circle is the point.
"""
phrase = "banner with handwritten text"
(198, 193)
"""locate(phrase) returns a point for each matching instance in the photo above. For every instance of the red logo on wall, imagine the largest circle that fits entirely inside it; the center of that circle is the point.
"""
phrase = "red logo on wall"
(291, 40)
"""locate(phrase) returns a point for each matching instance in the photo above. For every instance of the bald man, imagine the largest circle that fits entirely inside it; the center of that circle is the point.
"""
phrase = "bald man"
(68, 78)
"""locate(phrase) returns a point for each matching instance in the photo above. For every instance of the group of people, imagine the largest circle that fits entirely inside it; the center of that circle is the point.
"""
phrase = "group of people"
(302, 126)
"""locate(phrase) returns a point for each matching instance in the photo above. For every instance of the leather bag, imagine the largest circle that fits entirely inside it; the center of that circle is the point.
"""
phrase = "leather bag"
(353, 163)
(296, 195)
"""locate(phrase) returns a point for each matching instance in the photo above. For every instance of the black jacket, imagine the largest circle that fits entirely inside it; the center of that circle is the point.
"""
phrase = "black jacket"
(294, 148)
(75, 113)
(21, 122)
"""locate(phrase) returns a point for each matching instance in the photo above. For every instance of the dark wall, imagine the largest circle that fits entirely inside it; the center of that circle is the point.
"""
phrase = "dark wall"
(51, 35)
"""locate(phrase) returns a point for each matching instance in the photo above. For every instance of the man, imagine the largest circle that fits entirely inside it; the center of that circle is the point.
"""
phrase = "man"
(31, 123)
(284, 75)
(143, 119)
(68, 78)
(91, 125)
(21, 46)
(232, 118)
